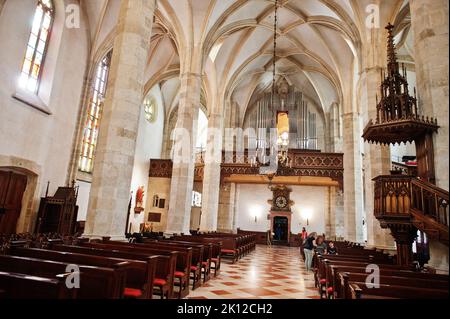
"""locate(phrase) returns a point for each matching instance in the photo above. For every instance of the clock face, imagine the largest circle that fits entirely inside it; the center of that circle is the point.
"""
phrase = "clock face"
(281, 202)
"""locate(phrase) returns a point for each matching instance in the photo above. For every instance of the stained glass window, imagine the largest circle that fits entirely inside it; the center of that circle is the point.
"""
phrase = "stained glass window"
(37, 46)
(150, 109)
(95, 108)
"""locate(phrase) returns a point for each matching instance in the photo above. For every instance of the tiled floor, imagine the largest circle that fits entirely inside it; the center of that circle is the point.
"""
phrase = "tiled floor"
(266, 273)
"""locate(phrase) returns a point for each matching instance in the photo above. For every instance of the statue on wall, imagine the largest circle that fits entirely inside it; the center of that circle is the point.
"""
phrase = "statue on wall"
(139, 206)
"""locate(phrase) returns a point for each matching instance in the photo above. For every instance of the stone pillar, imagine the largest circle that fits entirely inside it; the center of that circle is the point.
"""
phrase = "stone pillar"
(338, 202)
(178, 218)
(113, 167)
(430, 27)
(211, 178)
(377, 161)
(227, 204)
(236, 209)
(353, 204)
(331, 218)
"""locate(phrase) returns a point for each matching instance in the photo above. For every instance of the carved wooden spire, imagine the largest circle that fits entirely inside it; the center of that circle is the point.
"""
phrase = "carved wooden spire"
(398, 118)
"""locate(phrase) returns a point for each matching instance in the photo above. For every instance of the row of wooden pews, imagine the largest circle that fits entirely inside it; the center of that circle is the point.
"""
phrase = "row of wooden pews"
(347, 276)
(107, 269)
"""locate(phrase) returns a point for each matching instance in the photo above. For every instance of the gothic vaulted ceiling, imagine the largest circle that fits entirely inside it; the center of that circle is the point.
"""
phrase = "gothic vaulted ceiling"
(319, 45)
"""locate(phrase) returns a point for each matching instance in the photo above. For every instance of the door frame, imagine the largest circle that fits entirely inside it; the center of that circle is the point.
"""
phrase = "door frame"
(274, 214)
(30, 199)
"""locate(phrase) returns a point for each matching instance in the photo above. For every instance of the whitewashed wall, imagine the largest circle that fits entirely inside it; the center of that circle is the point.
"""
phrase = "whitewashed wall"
(148, 145)
(252, 201)
(27, 134)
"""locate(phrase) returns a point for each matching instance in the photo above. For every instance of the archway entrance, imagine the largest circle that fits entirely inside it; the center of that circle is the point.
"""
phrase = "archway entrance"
(12, 188)
(281, 230)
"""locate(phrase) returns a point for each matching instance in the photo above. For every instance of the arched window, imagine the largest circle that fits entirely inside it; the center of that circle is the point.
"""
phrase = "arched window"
(37, 46)
(95, 108)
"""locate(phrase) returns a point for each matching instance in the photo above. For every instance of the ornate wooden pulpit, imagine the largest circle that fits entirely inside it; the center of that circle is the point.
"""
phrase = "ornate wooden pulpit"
(58, 213)
(406, 203)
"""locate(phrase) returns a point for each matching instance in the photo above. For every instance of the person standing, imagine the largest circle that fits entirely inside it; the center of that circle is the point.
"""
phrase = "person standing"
(304, 234)
(308, 249)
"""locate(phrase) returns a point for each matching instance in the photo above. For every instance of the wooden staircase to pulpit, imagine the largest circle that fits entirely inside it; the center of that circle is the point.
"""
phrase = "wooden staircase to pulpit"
(405, 203)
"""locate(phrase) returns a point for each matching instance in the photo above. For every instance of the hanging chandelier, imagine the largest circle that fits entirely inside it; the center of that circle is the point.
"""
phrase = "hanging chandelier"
(279, 147)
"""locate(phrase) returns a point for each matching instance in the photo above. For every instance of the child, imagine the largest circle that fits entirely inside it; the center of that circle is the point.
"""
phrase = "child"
(331, 250)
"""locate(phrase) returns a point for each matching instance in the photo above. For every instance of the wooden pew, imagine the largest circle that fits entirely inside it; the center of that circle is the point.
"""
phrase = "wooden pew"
(344, 279)
(360, 291)
(197, 257)
(183, 263)
(125, 273)
(338, 285)
(165, 264)
(205, 266)
(229, 247)
(95, 282)
(23, 286)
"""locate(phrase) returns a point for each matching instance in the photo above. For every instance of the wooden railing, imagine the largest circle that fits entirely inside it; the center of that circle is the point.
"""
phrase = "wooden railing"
(430, 200)
(304, 163)
(402, 196)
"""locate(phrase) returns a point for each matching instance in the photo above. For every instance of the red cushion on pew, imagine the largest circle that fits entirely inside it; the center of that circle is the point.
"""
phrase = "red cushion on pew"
(194, 268)
(179, 274)
(323, 281)
(215, 259)
(205, 263)
(228, 251)
(330, 290)
(159, 282)
(131, 292)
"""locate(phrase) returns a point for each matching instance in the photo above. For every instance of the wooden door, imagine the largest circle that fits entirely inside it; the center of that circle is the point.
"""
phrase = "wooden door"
(12, 188)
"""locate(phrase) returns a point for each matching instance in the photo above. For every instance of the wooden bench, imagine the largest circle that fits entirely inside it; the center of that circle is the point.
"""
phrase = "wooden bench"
(165, 264)
(23, 286)
(360, 291)
(197, 257)
(95, 282)
(344, 279)
(141, 273)
(183, 263)
(125, 273)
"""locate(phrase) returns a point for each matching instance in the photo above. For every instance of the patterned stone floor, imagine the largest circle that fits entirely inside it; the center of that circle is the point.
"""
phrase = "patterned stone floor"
(266, 273)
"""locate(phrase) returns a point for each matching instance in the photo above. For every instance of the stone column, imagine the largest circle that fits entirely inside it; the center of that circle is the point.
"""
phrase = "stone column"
(227, 207)
(113, 167)
(430, 27)
(353, 204)
(236, 209)
(184, 135)
(331, 218)
(211, 178)
(377, 161)
(338, 201)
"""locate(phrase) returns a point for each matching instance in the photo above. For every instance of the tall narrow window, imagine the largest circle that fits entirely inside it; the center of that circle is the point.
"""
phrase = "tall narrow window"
(37, 46)
(95, 108)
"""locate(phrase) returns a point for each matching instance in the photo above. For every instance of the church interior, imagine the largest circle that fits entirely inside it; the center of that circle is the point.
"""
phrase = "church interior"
(224, 149)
